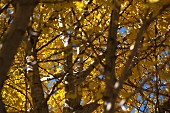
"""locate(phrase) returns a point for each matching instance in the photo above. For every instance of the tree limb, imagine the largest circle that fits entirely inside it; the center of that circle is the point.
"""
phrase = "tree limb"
(13, 38)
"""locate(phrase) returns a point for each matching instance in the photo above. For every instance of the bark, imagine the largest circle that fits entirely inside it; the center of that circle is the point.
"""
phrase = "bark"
(110, 77)
(72, 90)
(37, 93)
(88, 108)
(128, 66)
(68, 84)
(84, 73)
(13, 38)
(78, 69)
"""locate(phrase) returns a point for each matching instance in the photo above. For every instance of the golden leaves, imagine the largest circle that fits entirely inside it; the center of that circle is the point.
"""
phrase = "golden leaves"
(93, 85)
(153, 1)
(79, 5)
(89, 32)
(71, 95)
(164, 75)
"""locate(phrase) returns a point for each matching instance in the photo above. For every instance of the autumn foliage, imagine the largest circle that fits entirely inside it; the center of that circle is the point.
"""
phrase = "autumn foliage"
(89, 56)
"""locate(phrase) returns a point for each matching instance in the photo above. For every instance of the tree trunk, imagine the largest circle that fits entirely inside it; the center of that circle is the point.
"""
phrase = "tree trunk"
(13, 38)
(37, 93)
(70, 88)
(110, 77)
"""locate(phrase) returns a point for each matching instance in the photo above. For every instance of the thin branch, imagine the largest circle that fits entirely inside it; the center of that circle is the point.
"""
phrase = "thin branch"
(88, 108)
(49, 42)
(4, 7)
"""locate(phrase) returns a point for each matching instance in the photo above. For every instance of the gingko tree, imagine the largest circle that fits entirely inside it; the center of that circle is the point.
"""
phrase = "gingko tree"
(88, 56)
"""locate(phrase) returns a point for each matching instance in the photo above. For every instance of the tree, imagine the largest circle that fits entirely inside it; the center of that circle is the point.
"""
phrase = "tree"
(84, 56)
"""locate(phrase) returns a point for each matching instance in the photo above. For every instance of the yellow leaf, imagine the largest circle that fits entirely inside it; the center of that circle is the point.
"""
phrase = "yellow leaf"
(167, 90)
(71, 95)
(93, 85)
(153, 1)
(98, 95)
(164, 75)
(80, 6)
(86, 100)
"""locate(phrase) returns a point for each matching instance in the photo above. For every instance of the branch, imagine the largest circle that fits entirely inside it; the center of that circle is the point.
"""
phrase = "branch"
(18, 90)
(52, 1)
(82, 76)
(139, 37)
(109, 69)
(13, 38)
(49, 42)
(4, 7)
(124, 76)
(88, 108)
